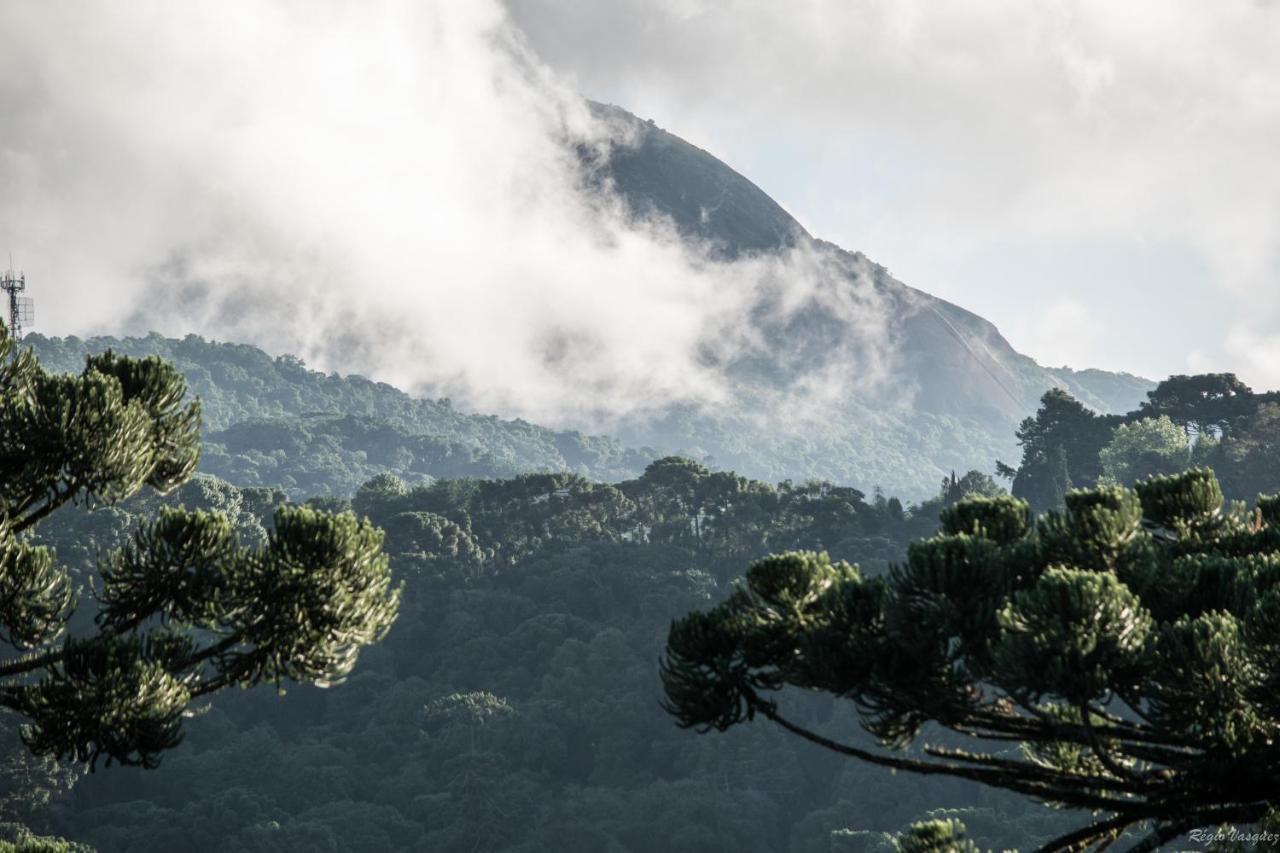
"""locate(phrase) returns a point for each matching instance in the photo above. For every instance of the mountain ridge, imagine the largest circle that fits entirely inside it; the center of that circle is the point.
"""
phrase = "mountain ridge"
(643, 152)
(949, 371)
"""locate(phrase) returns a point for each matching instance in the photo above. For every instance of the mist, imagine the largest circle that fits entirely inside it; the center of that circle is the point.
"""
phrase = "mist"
(389, 189)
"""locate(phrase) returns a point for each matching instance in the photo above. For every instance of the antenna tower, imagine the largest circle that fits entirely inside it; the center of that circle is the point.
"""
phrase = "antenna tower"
(21, 308)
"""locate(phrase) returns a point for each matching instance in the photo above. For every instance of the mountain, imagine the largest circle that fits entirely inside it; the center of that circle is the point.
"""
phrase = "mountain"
(864, 381)
(949, 391)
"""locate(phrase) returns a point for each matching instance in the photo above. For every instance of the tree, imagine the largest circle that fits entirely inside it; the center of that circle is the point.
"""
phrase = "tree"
(1130, 644)
(1059, 446)
(972, 484)
(1248, 458)
(1204, 404)
(185, 609)
(1145, 448)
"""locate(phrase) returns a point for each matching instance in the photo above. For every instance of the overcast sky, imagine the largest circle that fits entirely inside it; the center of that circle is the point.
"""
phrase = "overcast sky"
(1100, 179)
(383, 185)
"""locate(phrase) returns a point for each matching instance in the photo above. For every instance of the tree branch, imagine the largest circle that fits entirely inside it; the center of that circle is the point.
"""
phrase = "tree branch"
(1045, 784)
(60, 497)
(1094, 832)
(30, 663)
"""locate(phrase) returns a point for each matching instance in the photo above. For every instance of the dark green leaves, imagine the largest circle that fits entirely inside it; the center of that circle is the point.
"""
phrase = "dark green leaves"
(1202, 682)
(935, 836)
(1181, 502)
(107, 698)
(1001, 519)
(796, 620)
(703, 674)
(35, 593)
(1075, 635)
(98, 436)
(180, 568)
(1136, 656)
(186, 609)
(159, 390)
(304, 606)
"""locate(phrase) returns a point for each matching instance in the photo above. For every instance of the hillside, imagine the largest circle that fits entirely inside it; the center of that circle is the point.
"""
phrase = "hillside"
(270, 421)
(864, 381)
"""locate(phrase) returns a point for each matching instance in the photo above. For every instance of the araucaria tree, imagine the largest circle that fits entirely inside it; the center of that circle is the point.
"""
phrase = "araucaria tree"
(184, 610)
(1121, 657)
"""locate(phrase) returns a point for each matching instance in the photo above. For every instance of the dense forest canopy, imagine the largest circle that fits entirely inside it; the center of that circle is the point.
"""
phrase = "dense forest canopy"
(270, 421)
(514, 705)
(515, 702)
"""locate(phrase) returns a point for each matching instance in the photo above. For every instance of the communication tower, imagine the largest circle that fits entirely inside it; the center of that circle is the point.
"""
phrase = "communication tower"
(21, 308)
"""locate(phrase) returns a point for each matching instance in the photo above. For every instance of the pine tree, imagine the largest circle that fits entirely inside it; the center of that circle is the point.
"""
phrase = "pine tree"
(184, 610)
(1121, 657)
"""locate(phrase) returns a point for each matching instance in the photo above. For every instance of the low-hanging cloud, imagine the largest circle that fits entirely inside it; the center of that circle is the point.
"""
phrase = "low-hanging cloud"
(386, 187)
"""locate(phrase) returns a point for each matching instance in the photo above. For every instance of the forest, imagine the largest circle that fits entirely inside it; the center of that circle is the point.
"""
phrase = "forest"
(516, 703)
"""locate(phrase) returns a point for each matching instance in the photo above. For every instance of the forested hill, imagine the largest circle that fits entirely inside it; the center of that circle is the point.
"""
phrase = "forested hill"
(270, 421)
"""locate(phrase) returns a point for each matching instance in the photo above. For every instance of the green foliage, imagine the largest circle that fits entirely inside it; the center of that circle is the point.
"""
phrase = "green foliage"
(1145, 448)
(1060, 448)
(1205, 404)
(271, 422)
(27, 843)
(1184, 502)
(1074, 635)
(1248, 456)
(29, 783)
(1001, 519)
(1211, 420)
(935, 836)
(1130, 644)
(512, 704)
(185, 609)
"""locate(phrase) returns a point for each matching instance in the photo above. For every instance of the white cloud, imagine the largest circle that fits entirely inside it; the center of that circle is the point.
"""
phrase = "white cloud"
(1255, 355)
(1065, 334)
(378, 187)
(383, 187)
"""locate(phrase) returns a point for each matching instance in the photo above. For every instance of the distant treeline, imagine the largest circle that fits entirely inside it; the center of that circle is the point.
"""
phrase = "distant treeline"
(274, 422)
(1209, 420)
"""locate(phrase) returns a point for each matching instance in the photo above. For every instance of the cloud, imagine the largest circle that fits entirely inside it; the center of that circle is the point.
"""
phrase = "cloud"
(941, 138)
(1256, 355)
(1065, 334)
(378, 187)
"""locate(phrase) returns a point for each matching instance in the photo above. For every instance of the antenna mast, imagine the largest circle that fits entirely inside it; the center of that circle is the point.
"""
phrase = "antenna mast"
(21, 308)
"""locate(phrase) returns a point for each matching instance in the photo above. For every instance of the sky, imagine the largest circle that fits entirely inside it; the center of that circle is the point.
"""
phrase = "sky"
(1099, 179)
(384, 187)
